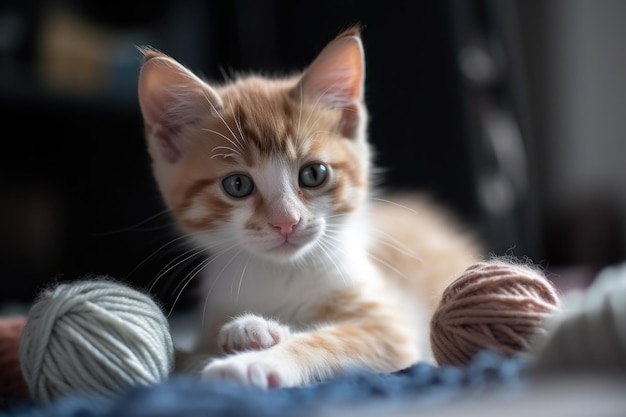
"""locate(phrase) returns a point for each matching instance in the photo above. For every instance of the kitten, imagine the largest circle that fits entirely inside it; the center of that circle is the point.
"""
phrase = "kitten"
(310, 274)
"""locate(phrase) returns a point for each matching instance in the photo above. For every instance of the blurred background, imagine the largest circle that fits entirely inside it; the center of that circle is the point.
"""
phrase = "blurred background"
(511, 112)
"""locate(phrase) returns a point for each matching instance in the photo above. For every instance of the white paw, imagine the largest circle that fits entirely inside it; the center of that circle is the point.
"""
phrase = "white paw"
(262, 369)
(251, 332)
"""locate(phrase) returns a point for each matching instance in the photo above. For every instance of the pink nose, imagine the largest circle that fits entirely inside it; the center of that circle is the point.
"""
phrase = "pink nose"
(286, 225)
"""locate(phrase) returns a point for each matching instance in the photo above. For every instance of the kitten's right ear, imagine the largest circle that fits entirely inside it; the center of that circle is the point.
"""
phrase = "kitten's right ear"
(335, 79)
(170, 97)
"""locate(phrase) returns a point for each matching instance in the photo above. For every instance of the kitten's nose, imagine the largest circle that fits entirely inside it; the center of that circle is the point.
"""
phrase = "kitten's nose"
(285, 225)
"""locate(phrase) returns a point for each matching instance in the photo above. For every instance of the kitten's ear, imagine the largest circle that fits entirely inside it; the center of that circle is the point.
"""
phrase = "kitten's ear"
(170, 97)
(336, 78)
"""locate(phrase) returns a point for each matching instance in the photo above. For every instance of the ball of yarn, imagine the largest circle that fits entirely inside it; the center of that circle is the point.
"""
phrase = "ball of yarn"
(95, 336)
(497, 305)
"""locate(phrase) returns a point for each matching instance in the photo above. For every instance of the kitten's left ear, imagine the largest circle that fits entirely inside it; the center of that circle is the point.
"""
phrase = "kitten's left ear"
(336, 78)
(170, 97)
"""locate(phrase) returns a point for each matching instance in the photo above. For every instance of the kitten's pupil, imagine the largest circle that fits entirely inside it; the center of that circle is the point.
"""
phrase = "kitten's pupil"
(313, 175)
(238, 185)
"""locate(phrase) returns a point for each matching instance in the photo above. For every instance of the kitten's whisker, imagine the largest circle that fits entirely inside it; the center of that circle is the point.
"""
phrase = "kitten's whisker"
(133, 227)
(394, 243)
(334, 216)
(177, 261)
(238, 124)
(155, 228)
(323, 247)
(310, 128)
(310, 133)
(225, 124)
(234, 153)
(234, 143)
(382, 200)
(218, 276)
(380, 236)
(235, 117)
(162, 247)
(243, 272)
(370, 255)
(184, 239)
(352, 109)
(182, 285)
(228, 148)
(317, 102)
(198, 268)
(388, 265)
(312, 137)
(334, 238)
(300, 109)
(224, 155)
(391, 242)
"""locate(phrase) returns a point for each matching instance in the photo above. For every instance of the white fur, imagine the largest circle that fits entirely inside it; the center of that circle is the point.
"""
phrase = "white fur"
(262, 369)
(241, 280)
(251, 332)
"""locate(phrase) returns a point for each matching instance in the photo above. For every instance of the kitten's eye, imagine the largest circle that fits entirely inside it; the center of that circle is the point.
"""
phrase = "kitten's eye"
(238, 185)
(313, 175)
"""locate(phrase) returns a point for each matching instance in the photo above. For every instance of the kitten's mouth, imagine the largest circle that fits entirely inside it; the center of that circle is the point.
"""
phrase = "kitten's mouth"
(290, 247)
(286, 249)
(286, 246)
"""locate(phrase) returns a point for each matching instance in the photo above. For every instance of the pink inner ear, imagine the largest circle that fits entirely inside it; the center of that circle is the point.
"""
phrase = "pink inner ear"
(336, 76)
(349, 121)
(335, 79)
(167, 145)
(163, 130)
(170, 98)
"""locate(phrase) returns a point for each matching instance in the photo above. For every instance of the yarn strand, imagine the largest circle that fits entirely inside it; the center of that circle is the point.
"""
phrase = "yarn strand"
(495, 305)
(95, 336)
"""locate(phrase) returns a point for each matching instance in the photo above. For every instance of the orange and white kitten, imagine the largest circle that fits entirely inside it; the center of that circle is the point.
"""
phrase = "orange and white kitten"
(310, 274)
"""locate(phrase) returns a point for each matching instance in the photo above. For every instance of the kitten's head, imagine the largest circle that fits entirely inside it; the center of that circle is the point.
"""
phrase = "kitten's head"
(270, 165)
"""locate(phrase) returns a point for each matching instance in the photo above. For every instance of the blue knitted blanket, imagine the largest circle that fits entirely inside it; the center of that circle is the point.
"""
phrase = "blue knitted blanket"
(422, 385)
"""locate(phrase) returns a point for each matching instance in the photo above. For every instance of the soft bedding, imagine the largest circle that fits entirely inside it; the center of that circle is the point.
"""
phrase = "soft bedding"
(422, 386)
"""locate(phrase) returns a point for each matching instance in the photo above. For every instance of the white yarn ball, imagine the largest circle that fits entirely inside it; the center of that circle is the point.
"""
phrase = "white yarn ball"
(95, 336)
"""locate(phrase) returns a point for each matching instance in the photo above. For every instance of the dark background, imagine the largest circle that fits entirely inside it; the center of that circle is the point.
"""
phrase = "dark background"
(446, 86)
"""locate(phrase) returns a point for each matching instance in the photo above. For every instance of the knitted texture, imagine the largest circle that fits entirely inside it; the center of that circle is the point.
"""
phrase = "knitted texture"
(422, 386)
(94, 336)
(494, 305)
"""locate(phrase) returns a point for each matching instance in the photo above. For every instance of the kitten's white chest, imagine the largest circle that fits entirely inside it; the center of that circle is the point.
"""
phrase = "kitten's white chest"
(283, 292)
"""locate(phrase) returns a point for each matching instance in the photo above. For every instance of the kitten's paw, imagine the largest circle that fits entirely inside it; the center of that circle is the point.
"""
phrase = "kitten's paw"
(262, 369)
(251, 332)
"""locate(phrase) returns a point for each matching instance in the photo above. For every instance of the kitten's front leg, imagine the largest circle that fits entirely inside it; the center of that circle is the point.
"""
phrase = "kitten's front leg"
(251, 332)
(264, 369)
(240, 338)
(375, 342)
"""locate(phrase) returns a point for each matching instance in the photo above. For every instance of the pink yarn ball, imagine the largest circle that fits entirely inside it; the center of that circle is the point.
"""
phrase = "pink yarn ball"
(495, 305)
